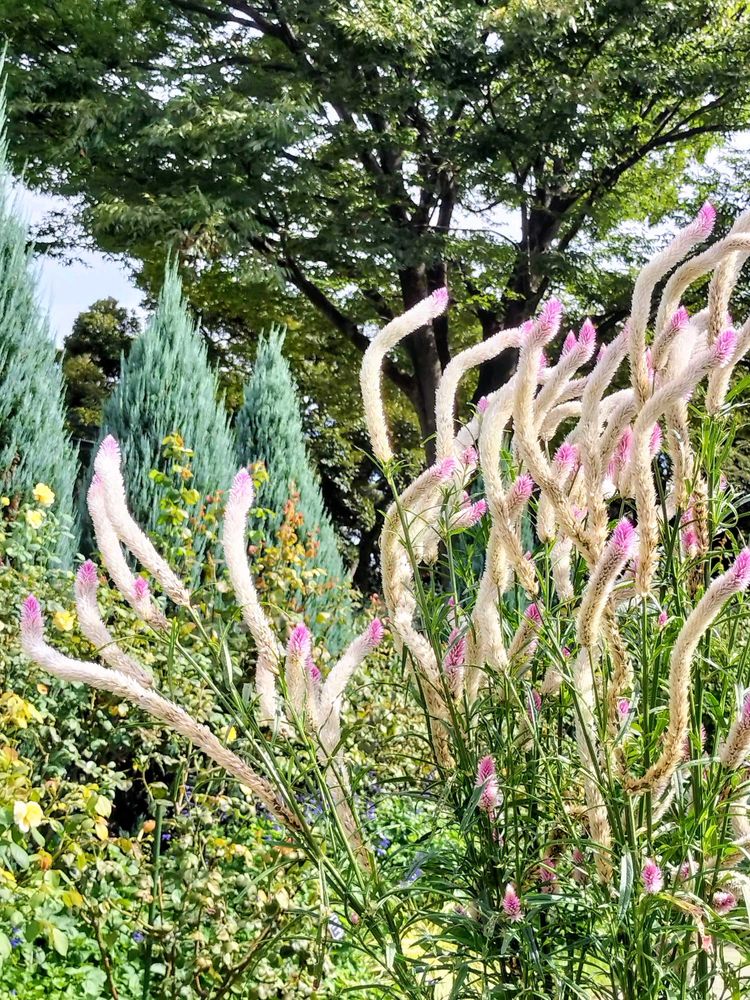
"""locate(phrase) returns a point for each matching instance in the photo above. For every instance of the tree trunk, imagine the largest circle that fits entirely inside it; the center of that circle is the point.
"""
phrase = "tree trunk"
(422, 349)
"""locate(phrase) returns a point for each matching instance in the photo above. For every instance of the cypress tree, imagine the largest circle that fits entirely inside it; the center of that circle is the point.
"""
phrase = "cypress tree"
(34, 445)
(167, 385)
(269, 429)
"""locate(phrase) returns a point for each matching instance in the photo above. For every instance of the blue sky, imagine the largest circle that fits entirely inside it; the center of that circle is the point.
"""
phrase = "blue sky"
(66, 289)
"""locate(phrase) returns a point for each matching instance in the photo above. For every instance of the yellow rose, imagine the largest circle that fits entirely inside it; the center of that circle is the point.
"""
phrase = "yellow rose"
(44, 495)
(27, 815)
(64, 621)
(35, 518)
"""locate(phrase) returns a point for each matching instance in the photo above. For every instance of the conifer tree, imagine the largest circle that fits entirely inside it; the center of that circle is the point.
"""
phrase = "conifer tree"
(34, 445)
(166, 386)
(269, 429)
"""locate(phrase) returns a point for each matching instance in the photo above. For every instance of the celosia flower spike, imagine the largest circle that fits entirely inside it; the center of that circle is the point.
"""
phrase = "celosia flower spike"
(93, 627)
(107, 466)
(724, 347)
(176, 718)
(298, 652)
(238, 505)
(705, 220)
(723, 902)
(487, 781)
(652, 877)
(512, 907)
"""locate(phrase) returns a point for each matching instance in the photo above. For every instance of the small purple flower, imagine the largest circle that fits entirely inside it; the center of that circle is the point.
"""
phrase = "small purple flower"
(652, 877)
(16, 939)
(137, 936)
(512, 904)
(383, 844)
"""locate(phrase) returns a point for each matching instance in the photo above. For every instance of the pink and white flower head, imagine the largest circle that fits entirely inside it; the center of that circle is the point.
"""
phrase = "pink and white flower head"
(738, 577)
(724, 347)
(470, 459)
(141, 589)
(374, 633)
(440, 299)
(108, 456)
(87, 578)
(482, 404)
(567, 458)
(242, 492)
(745, 709)
(662, 619)
(586, 341)
(512, 907)
(533, 615)
(654, 443)
(315, 674)
(534, 706)
(487, 781)
(723, 902)
(621, 456)
(456, 655)
(690, 542)
(548, 322)
(680, 319)
(652, 877)
(299, 645)
(569, 344)
(520, 492)
(623, 707)
(623, 539)
(32, 624)
(469, 513)
(446, 469)
(704, 222)
(723, 483)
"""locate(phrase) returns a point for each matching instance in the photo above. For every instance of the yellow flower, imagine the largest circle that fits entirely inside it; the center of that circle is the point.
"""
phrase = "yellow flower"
(17, 711)
(4, 501)
(27, 815)
(44, 495)
(64, 621)
(35, 518)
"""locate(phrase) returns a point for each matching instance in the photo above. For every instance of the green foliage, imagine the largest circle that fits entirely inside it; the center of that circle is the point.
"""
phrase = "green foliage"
(34, 443)
(357, 155)
(269, 429)
(92, 354)
(166, 385)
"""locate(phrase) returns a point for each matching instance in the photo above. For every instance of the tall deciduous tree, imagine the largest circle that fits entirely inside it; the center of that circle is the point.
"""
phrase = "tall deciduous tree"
(364, 153)
(34, 444)
(269, 429)
(166, 386)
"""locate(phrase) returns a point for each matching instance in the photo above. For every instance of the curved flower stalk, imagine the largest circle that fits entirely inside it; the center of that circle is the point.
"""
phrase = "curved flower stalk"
(107, 467)
(734, 581)
(114, 560)
(118, 683)
(372, 397)
(270, 652)
(93, 627)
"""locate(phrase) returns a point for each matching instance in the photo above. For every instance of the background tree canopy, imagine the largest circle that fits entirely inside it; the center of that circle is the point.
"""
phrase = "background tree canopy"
(324, 164)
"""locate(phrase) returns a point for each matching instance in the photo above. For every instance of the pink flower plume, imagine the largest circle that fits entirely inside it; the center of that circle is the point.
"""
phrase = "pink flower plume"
(87, 577)
(566, 457)
(723, 902)
(470, 458)
(315, 674)
(746, 709)
(477, 511)
(242, 489)
(739, 574)
(654, 444)
(482, 404)
(652, 877)
(485, 770)
(680, 319)
(32, 625)
(724, 347)
(533, 615)
(374, 634)
(512, 905)
(446, 469)
(521, 490)
(705, 220)
(569, 344)
(623, 539)
(440, 299)
(300, 642)
(141, 588)
(109, 449)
